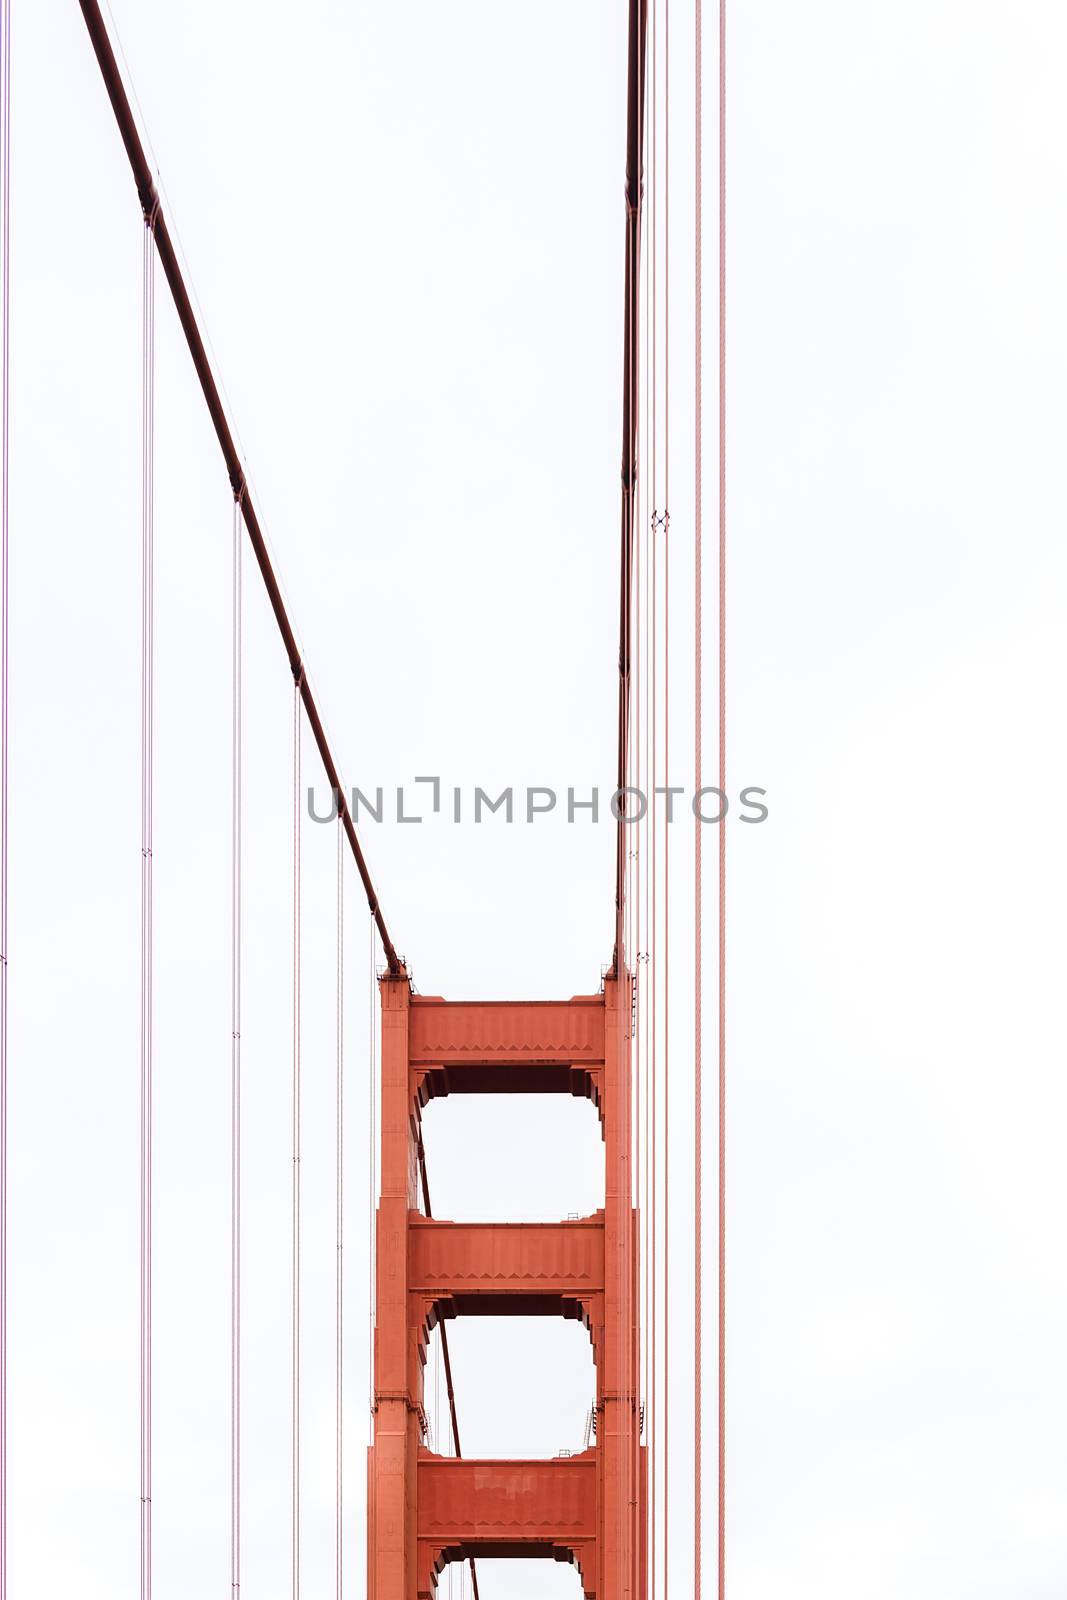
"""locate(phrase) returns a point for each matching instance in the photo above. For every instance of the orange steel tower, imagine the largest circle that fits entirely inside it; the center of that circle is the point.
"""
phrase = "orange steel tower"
(426, 1510)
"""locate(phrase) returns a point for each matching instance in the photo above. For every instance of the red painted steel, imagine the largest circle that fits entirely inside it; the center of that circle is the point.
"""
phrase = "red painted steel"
(521, 1509)
(426, 1510)
(509, 1269)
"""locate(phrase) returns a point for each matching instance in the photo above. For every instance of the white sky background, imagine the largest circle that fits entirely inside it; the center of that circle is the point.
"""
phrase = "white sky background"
(404, 225)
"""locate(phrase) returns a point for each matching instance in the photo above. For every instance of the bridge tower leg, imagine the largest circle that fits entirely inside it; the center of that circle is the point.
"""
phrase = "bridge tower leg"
(425, 1509)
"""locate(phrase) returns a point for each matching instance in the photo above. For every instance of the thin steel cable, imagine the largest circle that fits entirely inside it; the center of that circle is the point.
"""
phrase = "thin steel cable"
(649, 1024)
(644, 956)
(235, 1058)
(653, 961)
(372, 1167)
(698, 880)
(147, 750)
(340, 1187)
(621, 1379)
(628, 1546)
(297, 814)
(666, 780)
(633, 1151)
(722, 786)
(5, 398)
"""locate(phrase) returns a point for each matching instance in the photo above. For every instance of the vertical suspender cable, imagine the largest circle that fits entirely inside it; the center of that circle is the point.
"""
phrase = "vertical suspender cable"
(372, 1167)
(635, 181)
(666, 525)
(644, 957)
(5, 396)
(722, 786)
(296, 1144)
(623, 1377)
(698, 941)
(635, 1043)
(340, 1184)
(235, 1065)
(147, 742)
(372, 1212)
(653, 896)
(638, 12)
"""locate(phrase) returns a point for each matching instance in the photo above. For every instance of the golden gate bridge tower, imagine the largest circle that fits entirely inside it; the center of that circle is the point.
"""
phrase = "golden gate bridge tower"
(426, 1511)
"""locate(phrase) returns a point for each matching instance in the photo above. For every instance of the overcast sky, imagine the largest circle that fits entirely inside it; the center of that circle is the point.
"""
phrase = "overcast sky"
(404, 225)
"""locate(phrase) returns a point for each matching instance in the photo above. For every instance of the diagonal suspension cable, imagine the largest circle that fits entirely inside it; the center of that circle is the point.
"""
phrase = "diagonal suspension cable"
(151, 207)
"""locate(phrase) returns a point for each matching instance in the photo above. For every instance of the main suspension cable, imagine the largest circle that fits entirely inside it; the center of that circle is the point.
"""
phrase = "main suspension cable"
(150, 206)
